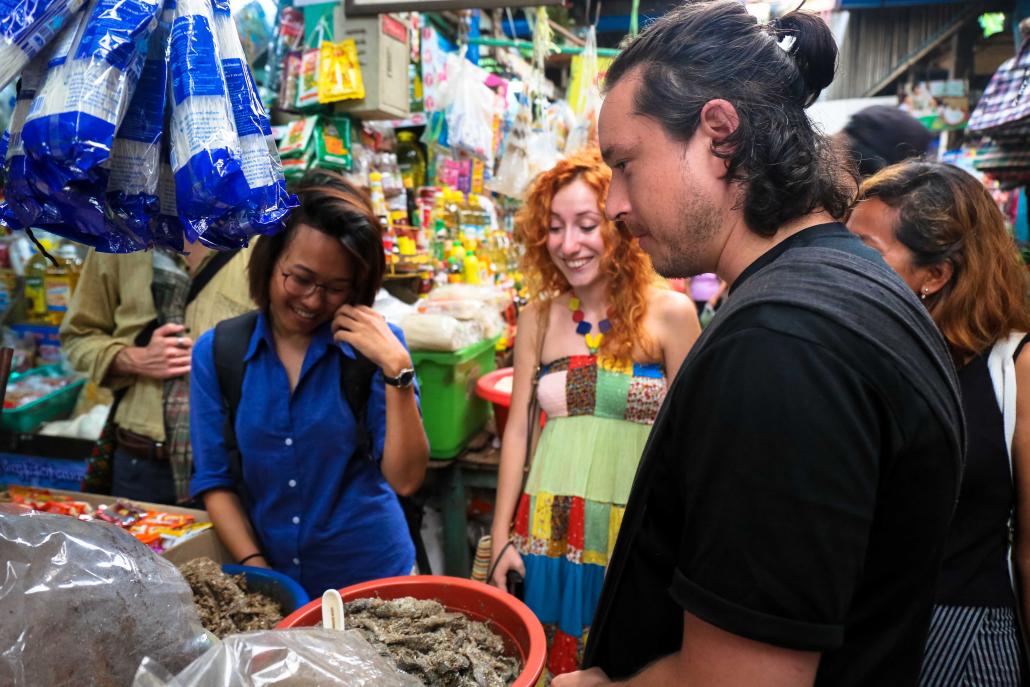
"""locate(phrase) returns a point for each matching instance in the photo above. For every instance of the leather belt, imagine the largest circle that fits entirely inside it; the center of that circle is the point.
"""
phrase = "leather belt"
(140, 446)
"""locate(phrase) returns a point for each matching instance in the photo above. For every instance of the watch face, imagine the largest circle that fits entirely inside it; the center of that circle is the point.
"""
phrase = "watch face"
(406, 377)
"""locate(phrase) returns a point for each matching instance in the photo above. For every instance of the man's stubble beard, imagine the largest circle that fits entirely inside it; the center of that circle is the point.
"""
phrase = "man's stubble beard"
(683, 256)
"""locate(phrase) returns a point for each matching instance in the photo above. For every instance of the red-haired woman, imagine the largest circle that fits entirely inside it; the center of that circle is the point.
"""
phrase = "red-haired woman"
(609, 338)
(941, 231)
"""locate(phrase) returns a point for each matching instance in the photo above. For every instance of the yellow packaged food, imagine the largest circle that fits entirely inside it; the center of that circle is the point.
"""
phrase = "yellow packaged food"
(339, 73)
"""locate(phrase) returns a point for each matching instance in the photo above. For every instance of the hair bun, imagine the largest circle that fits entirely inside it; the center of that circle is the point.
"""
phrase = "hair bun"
(814, 50)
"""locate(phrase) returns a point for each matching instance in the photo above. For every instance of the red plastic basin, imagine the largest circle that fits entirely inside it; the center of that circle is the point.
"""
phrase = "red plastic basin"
(486, 388)
(518, 627)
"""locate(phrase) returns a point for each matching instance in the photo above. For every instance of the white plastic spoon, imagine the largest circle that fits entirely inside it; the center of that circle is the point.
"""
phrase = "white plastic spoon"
(332, 610)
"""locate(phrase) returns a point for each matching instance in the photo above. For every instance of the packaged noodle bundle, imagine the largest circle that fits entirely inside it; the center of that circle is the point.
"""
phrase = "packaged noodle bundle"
(26, 27)
(268, 202)
(72, 124)
(205, 150)
(21, 208)
(339, 74)
(132, 190)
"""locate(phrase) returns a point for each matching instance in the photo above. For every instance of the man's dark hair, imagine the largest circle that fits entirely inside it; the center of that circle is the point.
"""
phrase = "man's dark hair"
(333, 206)
(770, 73)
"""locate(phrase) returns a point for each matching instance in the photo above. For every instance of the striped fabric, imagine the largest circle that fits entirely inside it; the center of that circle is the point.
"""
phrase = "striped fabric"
(599, 414)
(969, 646)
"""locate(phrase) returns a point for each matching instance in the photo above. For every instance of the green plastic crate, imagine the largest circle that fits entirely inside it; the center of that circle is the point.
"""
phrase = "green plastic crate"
(451, 411)
(57, 405)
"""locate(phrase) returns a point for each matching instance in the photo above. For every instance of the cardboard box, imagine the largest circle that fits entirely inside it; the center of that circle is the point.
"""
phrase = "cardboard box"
(383, 53)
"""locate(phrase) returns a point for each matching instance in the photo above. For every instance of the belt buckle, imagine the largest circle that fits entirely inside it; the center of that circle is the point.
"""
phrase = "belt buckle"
(155, 450)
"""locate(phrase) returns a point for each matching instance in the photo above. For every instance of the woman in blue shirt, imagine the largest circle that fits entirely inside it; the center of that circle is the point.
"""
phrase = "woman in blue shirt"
(318, 507)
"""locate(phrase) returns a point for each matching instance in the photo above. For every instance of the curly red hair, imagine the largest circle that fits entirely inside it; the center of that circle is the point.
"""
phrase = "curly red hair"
(626, 266)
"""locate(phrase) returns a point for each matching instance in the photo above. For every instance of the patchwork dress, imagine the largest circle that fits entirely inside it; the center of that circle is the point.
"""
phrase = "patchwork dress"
(599, 414)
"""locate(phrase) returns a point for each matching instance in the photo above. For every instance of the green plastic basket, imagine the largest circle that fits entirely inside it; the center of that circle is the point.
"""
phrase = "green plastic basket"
(57, 405)
(451, 411)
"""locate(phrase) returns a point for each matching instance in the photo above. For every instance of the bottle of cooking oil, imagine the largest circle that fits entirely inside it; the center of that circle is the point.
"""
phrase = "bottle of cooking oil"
(35, 286)
(411, 160)
(60, 282)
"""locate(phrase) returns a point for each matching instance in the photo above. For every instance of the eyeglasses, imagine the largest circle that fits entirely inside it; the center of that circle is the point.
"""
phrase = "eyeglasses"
(301, 287)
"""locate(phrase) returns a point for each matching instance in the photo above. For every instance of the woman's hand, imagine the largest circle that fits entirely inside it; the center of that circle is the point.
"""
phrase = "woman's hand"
(367, 331)
(509, 560)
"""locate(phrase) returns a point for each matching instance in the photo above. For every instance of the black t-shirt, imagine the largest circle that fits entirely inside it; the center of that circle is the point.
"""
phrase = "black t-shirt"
(797, 493)
(975, 568)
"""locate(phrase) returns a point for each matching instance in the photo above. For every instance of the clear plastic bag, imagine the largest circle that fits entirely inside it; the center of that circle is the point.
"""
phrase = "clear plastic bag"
(84, 602)
(26, 27)
(205, 149)
(132, 193)
(72, 125)
(268, 201)
(308, 656)
(470, 111)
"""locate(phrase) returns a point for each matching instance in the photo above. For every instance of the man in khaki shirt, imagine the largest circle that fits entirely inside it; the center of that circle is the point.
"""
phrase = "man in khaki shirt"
(112, 306)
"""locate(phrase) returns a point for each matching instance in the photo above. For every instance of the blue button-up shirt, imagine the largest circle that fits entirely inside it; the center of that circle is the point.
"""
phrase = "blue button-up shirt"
(326, 517)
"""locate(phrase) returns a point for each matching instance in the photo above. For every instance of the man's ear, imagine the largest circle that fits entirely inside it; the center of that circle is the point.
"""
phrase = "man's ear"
(719, 119)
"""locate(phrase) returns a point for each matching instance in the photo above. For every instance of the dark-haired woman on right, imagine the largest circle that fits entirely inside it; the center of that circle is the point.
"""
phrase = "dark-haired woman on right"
(315, 495)
(939, 228)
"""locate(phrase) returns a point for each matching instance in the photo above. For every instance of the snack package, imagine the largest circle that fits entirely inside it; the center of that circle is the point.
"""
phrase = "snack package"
(268, 202)
(303, 656)
(84, 602)
(205, 150)
(73, 122)
(21, 209)
(307, 80)
(298, 135)
(333, 143)
(339, 74)
(26, 27)
(136, 156)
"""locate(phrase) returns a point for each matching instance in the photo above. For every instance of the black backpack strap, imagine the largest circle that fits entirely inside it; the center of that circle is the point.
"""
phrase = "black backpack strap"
(230, 342)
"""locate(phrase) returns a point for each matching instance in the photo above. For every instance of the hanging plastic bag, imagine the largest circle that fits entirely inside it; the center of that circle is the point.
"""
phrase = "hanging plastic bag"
(290, 80)
(205, 150)
(73, 121)
(84, 602)
(26, 27)
(308, 656)
(268, 202)
(470, 113)
(339, 74)
(584, 97)
(514, 171)
(136, 156)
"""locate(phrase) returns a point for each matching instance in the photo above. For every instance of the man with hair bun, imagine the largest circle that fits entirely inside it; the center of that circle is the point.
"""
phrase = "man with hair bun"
(787, 519)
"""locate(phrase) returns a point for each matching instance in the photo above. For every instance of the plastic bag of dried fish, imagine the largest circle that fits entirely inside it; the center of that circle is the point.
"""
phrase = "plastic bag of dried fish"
(309, 656)
(440, 647)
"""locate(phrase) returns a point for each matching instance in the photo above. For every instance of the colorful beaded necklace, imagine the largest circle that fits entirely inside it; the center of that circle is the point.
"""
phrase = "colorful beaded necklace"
(584, 328)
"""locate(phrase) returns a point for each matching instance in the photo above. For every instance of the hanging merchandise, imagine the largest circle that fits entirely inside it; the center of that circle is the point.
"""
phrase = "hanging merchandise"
(136, 155)
(26, 27)
(289, 36)
(584, 96)
(296, 148)
(470, 110)
(339, 74)
(21, 209)
(333, 143)
(290, 83)
(307, 85)
(267, 202)
(72, 124)
(205, 150)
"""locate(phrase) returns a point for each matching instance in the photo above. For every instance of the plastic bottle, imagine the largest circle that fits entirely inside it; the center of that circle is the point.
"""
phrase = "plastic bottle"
(58, 284)
(35, 287)
(8, 280)
(471, 267)
(412, 161)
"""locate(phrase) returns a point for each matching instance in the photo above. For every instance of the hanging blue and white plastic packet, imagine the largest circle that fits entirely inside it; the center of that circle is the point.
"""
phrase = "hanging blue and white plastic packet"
(26, 27)
(268, 201)
(21, 209)
(132, 193)
(73, 121)
(205, 150)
